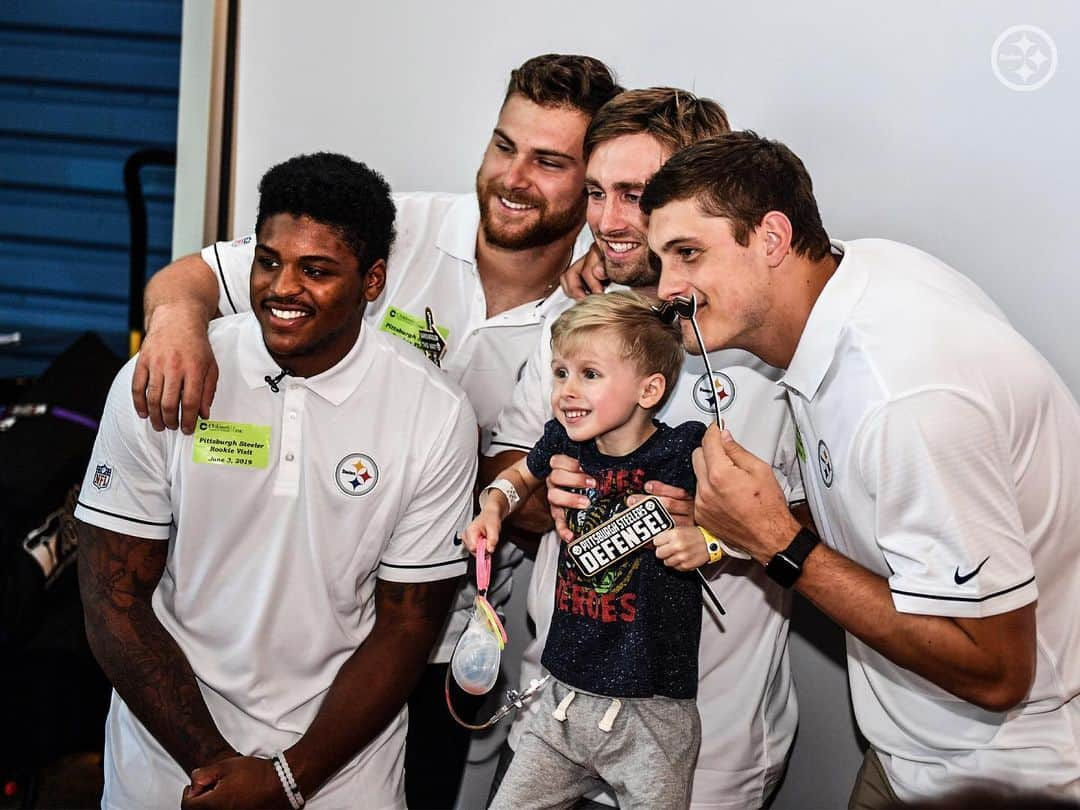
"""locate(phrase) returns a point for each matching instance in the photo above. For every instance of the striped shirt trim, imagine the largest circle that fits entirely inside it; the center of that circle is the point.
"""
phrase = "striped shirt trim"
(524, 447)
(458, 561)
(123, 517)
(224, 283)
(965, 598)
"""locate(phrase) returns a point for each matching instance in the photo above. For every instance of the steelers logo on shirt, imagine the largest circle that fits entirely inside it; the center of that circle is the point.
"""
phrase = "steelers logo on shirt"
(357, 474)
(825, 463)
(703, 392)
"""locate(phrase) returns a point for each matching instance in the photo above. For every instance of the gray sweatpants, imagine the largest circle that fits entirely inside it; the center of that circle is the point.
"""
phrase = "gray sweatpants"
(647, 757)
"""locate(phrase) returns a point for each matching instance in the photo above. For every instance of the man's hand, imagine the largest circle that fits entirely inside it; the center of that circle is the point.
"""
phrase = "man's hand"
(585, 276)
(682, 548)
(565, 475)
(236, 782)
(738, 498)
(176, 374)
(678, 502)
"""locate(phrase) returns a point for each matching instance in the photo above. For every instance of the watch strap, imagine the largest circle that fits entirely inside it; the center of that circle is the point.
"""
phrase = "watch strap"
(786, 566)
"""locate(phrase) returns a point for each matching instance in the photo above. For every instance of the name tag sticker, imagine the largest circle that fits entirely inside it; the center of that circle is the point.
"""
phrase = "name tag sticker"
(235, 444)
(619, 536)
(418, 330)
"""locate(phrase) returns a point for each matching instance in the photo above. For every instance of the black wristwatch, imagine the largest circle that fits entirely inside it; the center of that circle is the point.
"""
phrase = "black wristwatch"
(786, 566)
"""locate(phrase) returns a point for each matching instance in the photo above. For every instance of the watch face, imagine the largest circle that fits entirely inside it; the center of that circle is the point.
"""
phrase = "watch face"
(783, 571)
(786, 566)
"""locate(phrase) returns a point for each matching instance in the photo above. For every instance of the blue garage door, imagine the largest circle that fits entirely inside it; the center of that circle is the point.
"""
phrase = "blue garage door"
(83, 85)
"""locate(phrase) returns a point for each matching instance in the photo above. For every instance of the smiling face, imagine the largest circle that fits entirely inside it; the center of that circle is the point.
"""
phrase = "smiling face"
(309, 293)
(598, 393)
(617, 172)
(732, 282)
(530, 183)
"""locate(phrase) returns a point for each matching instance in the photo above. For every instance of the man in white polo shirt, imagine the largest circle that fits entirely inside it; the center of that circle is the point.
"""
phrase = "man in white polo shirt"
(745, 696)
(939, 453)
(464, 284)
(263, 594)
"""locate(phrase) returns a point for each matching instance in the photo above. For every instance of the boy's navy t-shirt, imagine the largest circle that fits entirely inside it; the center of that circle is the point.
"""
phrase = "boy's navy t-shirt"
(632, 630)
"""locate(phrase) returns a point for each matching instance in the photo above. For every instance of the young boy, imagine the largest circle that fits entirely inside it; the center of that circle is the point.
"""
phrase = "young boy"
(623, 643)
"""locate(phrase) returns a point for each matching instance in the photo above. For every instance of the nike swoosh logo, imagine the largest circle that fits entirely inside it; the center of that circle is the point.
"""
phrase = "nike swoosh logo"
(961, 579)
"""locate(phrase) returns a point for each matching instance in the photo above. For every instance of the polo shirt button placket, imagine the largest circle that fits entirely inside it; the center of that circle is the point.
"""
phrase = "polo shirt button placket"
(288, 476)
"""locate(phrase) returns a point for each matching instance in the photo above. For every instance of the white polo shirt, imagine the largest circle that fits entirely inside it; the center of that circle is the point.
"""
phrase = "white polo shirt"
(943, 452)
(432, 266)
(745, 696)
(280, 515)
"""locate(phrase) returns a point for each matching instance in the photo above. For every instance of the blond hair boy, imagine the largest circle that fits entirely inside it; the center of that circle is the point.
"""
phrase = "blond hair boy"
(623, 643)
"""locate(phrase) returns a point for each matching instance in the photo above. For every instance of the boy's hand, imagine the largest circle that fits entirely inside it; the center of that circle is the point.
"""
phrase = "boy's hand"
(682, 548)
(485, 526)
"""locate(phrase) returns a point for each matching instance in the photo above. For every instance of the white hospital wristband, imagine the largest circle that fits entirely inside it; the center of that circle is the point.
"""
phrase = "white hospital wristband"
(507, 488)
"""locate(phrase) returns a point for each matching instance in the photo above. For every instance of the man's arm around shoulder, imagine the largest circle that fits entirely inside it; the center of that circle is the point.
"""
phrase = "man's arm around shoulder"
(176, 374)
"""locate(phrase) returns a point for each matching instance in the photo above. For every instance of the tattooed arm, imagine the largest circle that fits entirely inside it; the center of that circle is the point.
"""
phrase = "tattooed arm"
(117, 577)
(366, 694)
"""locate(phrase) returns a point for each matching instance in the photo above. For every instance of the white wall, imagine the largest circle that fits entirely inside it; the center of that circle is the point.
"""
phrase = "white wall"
(894, 108)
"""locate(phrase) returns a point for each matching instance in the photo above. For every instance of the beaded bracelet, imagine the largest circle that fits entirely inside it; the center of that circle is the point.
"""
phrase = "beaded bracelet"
(285, 774)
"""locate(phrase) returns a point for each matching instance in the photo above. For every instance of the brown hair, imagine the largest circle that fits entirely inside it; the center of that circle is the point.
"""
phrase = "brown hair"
(652, 345)
(674, 117)
(561, 80)
(742, 177)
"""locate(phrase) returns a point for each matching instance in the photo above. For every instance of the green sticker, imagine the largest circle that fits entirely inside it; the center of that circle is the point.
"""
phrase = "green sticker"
(800, 451)
(413, 329)
(233, 443)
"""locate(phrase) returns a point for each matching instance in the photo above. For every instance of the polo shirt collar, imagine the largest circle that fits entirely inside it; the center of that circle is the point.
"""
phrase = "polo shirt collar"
(334, 385)
(457, 235)
(821, 337)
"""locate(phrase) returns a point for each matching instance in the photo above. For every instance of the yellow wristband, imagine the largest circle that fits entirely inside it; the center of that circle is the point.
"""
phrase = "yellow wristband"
(712, 545)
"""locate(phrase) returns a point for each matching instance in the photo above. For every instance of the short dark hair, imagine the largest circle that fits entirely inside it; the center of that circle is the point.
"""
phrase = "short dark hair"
(562, 80)
(741, 177)
(674, 117)
(337, 191)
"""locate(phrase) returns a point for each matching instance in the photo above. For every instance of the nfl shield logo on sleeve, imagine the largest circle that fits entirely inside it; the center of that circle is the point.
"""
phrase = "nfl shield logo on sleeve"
(102, 476)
